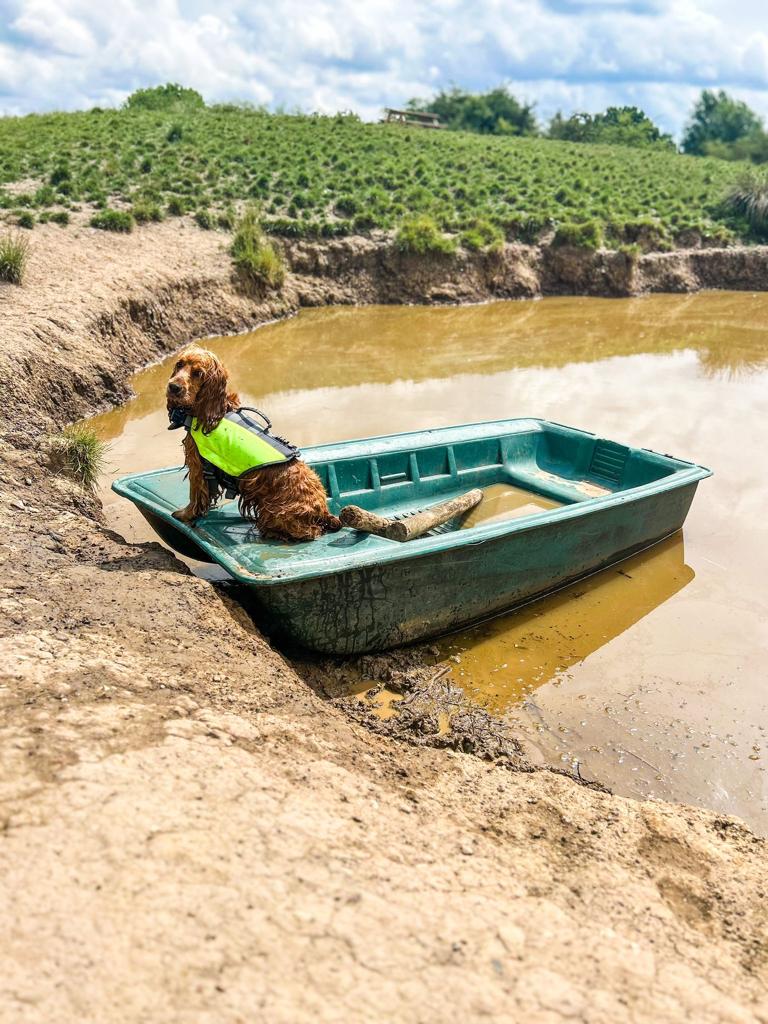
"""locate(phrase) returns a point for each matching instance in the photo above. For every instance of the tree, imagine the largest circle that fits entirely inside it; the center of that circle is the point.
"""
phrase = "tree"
(617, 126)
(495, 112)
(717, 118)
(165, 97)
(752, 147)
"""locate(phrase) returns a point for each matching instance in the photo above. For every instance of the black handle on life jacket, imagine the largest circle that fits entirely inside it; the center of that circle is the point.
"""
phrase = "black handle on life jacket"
(250, 408)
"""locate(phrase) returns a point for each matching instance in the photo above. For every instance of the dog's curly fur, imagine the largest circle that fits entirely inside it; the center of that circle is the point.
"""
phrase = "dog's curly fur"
(287, 501)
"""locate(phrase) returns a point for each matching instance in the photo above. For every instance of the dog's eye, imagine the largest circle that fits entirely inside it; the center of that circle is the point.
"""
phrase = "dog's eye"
(197, 373)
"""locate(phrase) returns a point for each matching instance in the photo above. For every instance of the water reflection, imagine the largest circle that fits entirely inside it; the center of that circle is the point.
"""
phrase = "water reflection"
(507, 658)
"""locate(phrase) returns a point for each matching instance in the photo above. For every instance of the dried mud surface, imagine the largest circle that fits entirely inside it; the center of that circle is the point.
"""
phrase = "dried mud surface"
(190, 832)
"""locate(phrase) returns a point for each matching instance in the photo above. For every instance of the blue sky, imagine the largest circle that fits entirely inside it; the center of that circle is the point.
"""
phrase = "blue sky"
(364, 54)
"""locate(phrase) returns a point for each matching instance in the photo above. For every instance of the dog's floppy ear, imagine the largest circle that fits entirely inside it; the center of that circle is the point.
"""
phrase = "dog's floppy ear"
(211, 402)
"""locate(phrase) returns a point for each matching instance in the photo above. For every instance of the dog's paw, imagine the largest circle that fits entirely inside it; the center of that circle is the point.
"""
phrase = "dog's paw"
(184, 516)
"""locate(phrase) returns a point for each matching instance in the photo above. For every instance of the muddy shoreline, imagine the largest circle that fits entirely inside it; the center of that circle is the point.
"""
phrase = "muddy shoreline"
(213, 827)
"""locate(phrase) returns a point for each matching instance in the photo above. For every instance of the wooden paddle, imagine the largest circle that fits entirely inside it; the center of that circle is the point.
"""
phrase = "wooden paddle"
(412, 526)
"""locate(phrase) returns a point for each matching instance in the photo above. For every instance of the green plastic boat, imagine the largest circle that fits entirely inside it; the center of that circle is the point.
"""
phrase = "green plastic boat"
(561, 504)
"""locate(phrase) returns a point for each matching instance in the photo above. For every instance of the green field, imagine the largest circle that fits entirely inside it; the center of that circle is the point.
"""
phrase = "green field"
(324, 176)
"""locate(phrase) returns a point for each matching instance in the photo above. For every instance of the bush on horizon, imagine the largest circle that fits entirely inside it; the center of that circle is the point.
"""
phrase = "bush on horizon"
(165, 97)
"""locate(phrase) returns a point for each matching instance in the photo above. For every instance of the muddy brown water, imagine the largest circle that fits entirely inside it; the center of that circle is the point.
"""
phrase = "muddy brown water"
(651, 676)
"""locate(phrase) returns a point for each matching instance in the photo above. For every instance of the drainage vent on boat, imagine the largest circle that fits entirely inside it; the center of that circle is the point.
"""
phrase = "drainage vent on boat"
(608, 461)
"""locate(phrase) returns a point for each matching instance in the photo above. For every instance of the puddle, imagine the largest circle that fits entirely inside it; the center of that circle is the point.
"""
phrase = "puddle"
(503, 501)
(650, 676)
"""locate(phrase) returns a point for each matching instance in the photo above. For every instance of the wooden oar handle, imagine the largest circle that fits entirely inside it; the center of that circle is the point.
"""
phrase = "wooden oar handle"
(413, 526)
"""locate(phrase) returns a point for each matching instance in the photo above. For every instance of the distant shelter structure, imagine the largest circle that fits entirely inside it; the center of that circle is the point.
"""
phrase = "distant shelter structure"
(419, 118)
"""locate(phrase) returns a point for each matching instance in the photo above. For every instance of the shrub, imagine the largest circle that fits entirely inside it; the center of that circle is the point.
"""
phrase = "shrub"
(26, 219)
(527, 228)
(254, 256)
(45, 196)
(60, 217)
(113, 220)
(226, 219)
(204, 220)
(145, 211)
(176, 207)
(648, 233)
(482, 235)
(421, 236)
(79, 453)
(14, 256)
(59, 175)
(165, 97)
(588, 235)
(346, 206)
(747, 197)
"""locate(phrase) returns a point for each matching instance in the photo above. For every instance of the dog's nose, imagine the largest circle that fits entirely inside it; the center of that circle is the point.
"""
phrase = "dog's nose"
(174, 388)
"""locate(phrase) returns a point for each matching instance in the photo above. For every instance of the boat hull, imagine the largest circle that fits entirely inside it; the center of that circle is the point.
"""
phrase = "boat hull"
(593, 502)
(382, 606)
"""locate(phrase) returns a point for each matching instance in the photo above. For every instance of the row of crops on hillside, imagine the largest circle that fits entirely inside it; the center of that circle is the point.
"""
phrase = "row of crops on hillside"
(323, 176)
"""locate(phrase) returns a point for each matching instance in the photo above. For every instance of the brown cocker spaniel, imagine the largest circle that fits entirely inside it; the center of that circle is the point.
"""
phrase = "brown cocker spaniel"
(287, 500)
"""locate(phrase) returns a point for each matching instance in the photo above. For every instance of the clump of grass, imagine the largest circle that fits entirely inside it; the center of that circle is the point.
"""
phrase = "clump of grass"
(176, 207)
(113, 220)
(588, 235)
(81, 454)
(748, 198)
(26, 219)
(60, 217)
(421, 236)
(227, 219)
(204, 220)
(14, 256)
(254, 256)
(145, 211)
(482, 235)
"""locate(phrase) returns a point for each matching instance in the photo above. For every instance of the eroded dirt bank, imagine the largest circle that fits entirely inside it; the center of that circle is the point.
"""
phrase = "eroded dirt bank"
(189, 833)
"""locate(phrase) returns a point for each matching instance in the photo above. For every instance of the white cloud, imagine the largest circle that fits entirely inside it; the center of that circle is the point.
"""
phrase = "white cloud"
(342, 54)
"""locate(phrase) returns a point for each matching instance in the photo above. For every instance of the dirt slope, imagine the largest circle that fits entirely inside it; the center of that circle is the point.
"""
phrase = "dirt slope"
(188, 833)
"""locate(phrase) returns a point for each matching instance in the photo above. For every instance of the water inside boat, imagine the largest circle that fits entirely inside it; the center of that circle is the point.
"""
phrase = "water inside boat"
(504, 501)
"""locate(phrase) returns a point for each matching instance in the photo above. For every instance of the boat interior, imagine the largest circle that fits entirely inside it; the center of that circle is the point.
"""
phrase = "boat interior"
(525, 468)
(552, 462)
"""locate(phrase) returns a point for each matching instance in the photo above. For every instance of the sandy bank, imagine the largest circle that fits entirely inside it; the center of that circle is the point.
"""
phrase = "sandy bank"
(188, 832)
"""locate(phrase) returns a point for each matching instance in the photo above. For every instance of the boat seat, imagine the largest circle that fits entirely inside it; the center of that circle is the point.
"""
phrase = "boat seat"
(551, 485)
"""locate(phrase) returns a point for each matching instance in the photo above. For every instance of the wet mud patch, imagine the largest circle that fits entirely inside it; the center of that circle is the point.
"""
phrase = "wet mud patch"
(408, 695)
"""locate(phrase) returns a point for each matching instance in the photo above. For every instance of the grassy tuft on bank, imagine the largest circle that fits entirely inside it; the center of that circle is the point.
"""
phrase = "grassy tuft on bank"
(321, 177)
(14, 255)
(422, 237)
(113, 220)
(81, 454)
(254, 256)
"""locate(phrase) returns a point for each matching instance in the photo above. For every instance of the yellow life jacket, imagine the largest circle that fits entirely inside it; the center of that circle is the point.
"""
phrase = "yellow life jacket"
(236, 445)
